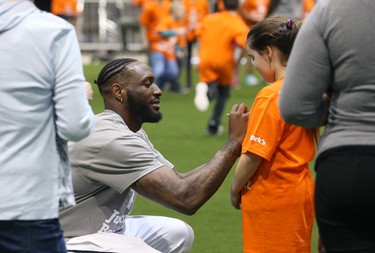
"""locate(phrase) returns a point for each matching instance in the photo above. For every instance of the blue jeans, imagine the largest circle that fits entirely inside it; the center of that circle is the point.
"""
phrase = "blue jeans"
(164, 70)
(34, 236)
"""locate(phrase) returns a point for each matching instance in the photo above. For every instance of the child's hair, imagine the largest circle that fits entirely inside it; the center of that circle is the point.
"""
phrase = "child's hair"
(276, 31)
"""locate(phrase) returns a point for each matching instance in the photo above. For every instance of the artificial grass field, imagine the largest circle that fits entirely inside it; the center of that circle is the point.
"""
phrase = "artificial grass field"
(180, 138)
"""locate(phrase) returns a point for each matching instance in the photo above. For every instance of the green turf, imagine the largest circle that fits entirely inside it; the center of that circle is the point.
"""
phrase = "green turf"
(180, 138)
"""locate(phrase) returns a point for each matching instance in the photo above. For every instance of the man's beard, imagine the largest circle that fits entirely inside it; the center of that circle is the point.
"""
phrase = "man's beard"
(142, 110)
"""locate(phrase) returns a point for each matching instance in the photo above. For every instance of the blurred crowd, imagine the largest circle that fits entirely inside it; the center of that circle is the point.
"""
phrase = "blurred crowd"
(169, 32)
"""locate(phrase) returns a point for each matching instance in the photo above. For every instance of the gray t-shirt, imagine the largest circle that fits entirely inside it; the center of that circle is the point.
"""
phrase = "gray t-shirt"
(334, 50)
(104, 166)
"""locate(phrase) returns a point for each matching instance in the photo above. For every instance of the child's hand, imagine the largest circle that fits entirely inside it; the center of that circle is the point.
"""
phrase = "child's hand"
(236, 200)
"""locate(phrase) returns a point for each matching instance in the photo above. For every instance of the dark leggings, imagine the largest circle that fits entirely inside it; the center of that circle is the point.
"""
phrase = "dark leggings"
(345, 199)
(221, 94)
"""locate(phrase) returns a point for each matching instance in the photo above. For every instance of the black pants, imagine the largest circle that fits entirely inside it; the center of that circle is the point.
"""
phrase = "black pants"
(222, 95)
(345, 199)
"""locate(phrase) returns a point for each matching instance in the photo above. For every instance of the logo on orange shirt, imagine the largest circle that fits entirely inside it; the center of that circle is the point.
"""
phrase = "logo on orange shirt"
(258, 139)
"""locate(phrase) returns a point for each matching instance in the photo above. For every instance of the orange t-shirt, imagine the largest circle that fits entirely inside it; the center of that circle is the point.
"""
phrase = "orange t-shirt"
(308, 5)
(166, 45)
(218, 35)
(139, 3)
(195, 10)
(64, 7)
(254, 5)
(278, 209)
(153, 11)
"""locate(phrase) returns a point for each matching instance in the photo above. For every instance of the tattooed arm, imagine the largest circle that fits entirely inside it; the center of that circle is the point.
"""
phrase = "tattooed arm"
(187, 192)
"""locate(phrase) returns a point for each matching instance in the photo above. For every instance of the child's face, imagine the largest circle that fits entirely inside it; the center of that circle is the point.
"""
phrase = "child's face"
(178, 12)
(262, 64)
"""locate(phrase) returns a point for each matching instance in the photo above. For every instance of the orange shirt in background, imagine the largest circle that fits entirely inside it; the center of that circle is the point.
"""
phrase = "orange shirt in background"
(308, 5)
(218, 34)
(64, 7)
(168, 45)
(259, 6)
(153, 11)
(195, 10)
(139, 3)
(278, 209)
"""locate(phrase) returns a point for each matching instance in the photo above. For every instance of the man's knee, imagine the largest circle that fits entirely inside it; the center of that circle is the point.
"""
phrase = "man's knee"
(184, 237)
(165, 234)
(108, 242)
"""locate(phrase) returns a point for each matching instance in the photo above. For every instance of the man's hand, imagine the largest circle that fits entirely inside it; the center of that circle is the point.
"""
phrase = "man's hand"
(89, 91)
(238, 118)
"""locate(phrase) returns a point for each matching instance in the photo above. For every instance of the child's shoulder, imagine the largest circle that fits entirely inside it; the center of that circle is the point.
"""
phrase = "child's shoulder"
(270, 89)
(270, 92)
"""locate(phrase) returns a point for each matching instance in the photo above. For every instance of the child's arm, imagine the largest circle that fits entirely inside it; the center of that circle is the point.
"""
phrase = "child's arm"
(246, 168)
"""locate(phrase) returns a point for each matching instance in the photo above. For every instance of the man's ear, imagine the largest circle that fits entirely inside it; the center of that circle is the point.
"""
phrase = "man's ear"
(118, 92)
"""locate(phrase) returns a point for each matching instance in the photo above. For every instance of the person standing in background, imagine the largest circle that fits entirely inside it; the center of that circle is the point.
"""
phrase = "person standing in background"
(195, 11)
(151, 14)
(43, 105)
(218, 35)
(330, 80)
(170, 47)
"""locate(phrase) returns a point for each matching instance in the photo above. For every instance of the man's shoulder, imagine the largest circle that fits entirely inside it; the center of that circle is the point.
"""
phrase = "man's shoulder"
(111, 131)
(110, 121)
(108, 128)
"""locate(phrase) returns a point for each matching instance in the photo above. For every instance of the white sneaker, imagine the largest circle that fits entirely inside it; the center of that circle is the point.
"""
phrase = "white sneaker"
(201, 100)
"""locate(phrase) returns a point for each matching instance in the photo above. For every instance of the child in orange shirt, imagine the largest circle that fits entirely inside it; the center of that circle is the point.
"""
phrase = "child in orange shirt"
(170, 48)
(152, 12)
(272, 183)
(218, 35)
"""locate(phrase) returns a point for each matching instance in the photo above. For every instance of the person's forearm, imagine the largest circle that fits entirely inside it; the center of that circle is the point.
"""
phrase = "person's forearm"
(187, 192)
(206, 179)
(245, 170)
